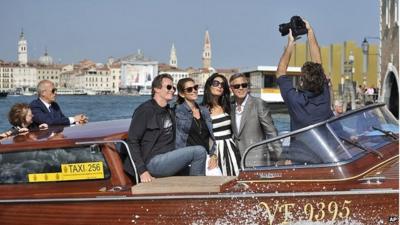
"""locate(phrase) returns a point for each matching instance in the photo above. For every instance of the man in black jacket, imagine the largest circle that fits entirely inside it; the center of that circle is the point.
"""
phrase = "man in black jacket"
(151, 137)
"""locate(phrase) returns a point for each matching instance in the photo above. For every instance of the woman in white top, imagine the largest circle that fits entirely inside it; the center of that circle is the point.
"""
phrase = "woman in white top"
(216, 98)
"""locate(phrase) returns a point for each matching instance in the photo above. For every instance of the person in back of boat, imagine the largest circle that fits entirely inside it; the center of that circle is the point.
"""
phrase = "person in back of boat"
(193, 122)
(217, 99)
(46, 110)
(151, 137)
(20, 117)
(308, 104)
(311, 102)
(252, 123)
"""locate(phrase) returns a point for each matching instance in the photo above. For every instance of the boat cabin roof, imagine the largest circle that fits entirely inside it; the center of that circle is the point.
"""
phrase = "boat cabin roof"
(65, 135)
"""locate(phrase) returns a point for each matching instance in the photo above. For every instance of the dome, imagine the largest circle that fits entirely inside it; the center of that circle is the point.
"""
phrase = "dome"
(46, 59)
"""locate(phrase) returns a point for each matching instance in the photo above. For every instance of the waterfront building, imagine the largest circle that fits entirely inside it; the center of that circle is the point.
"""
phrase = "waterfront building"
(389, 70)
(342, 62)
(6, 76)
(25, 78)
(67, 77)
(175, 72)
(137, 72)
(99, 79)
(207, 51)
(49, 72)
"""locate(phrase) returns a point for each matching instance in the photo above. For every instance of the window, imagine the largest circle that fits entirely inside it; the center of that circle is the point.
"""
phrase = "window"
(25, 167)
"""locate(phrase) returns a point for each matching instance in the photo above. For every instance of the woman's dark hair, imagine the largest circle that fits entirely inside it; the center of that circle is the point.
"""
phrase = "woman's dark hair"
(17, 114)
(313, 77)
(223, 100)
(181, 86)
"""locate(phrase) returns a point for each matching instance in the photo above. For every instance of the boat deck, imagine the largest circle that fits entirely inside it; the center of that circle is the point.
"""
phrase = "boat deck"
(182, 184)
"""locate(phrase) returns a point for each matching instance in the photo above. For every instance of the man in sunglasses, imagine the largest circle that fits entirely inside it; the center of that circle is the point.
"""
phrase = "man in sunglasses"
(46, 110)
(252, 123)
(151, 137)
(311, 102)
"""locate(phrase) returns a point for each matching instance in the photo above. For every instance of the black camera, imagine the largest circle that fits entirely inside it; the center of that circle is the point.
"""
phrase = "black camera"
(297, 26)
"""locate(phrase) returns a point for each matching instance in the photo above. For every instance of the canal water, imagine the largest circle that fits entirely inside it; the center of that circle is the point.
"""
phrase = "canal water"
(107, 107)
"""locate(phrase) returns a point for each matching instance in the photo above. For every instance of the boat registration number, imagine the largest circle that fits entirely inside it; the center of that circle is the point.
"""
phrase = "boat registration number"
(72, 171)
(317, 211)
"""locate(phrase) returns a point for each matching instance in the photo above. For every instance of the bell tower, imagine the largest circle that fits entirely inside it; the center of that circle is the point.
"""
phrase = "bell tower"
(207, 51)
(22, 49)
(173, 60)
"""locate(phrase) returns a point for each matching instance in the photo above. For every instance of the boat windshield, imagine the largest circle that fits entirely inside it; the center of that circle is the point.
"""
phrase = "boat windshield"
(340, 139)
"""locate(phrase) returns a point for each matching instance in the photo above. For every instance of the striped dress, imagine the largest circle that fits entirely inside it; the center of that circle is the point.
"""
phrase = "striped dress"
(228, 154)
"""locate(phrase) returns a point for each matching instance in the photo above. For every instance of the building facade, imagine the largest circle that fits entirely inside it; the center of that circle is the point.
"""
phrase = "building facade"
(389, 36)
(343, 62)
(137, 72)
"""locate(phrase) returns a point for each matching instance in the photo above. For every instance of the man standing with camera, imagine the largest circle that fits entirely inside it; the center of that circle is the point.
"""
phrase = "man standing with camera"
(311, 102)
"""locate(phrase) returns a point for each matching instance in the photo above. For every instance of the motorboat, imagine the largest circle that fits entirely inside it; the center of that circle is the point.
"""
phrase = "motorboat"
(344, 170)
(3, 94)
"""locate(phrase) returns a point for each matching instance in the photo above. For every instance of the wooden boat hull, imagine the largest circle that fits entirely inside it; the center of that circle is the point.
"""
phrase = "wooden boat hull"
(357, 207)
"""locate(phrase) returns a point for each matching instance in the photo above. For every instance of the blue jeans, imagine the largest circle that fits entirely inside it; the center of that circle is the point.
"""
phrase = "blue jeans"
(170, 163)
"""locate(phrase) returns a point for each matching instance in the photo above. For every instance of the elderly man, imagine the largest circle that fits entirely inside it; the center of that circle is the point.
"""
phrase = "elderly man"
(46, 110)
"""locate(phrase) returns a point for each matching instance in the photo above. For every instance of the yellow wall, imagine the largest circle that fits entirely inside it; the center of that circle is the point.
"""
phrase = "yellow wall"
(333, 57)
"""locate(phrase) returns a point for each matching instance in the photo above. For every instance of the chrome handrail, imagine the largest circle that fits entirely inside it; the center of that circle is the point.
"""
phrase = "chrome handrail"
(115, 141)
(248, 149)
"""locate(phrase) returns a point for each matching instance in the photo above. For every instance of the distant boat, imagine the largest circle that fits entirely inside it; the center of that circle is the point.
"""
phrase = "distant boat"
(3, 94)
(145, 92)
(71, 92)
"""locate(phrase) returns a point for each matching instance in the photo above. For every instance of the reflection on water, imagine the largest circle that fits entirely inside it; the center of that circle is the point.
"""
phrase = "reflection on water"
(99, 108)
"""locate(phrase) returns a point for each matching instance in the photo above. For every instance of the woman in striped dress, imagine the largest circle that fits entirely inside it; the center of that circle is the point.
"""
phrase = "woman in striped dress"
(216, 98)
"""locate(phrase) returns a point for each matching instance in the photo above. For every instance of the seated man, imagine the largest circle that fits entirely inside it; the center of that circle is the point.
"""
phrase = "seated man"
(46, 110)
(151, 137)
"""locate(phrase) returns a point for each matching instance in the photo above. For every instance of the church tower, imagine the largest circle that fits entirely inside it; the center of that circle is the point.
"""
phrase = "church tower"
(207, 51)
(173, 61)
(22, 49)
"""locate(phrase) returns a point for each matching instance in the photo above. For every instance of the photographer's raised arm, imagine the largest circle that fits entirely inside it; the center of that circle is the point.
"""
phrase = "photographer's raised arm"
(312, 41)
(285, 58)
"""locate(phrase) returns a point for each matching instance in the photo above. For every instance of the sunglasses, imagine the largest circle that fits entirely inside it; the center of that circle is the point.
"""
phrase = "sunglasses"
(169, 87)
(217, 83)
(191, 89)
(53, 90)
(237, 86)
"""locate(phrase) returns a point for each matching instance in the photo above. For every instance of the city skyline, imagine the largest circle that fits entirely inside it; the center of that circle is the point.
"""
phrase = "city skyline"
(242, 34)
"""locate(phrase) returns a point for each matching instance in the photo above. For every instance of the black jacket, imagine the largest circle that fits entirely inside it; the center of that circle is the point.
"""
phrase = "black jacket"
(144, 131)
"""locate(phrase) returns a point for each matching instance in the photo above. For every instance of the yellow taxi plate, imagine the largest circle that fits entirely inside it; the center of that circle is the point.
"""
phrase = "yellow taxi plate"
(73, 171)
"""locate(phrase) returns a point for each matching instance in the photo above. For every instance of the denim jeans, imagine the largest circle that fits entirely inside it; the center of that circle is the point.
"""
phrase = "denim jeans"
(170, 163)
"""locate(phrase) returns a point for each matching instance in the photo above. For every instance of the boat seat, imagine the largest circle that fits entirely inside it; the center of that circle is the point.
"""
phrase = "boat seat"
(182, 184)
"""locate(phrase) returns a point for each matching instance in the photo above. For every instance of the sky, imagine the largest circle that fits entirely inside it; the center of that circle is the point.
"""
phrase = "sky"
(243, 33)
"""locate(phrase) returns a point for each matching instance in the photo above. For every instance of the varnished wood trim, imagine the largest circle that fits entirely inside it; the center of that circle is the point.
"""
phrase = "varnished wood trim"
(322, 180)
(215, 196)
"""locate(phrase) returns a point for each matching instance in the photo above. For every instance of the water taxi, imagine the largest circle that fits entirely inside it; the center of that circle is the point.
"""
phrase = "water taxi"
(341, 171)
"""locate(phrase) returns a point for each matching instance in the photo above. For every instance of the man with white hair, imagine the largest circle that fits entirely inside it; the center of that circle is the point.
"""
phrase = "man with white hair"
(46, 110)
(338, 107)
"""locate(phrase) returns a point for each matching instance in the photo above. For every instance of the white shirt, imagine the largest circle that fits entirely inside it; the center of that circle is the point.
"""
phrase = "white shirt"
(71, 119)
(239, 113)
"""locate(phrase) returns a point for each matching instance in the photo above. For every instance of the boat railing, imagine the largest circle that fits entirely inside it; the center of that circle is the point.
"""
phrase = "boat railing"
(115, 141)
(305, 129)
